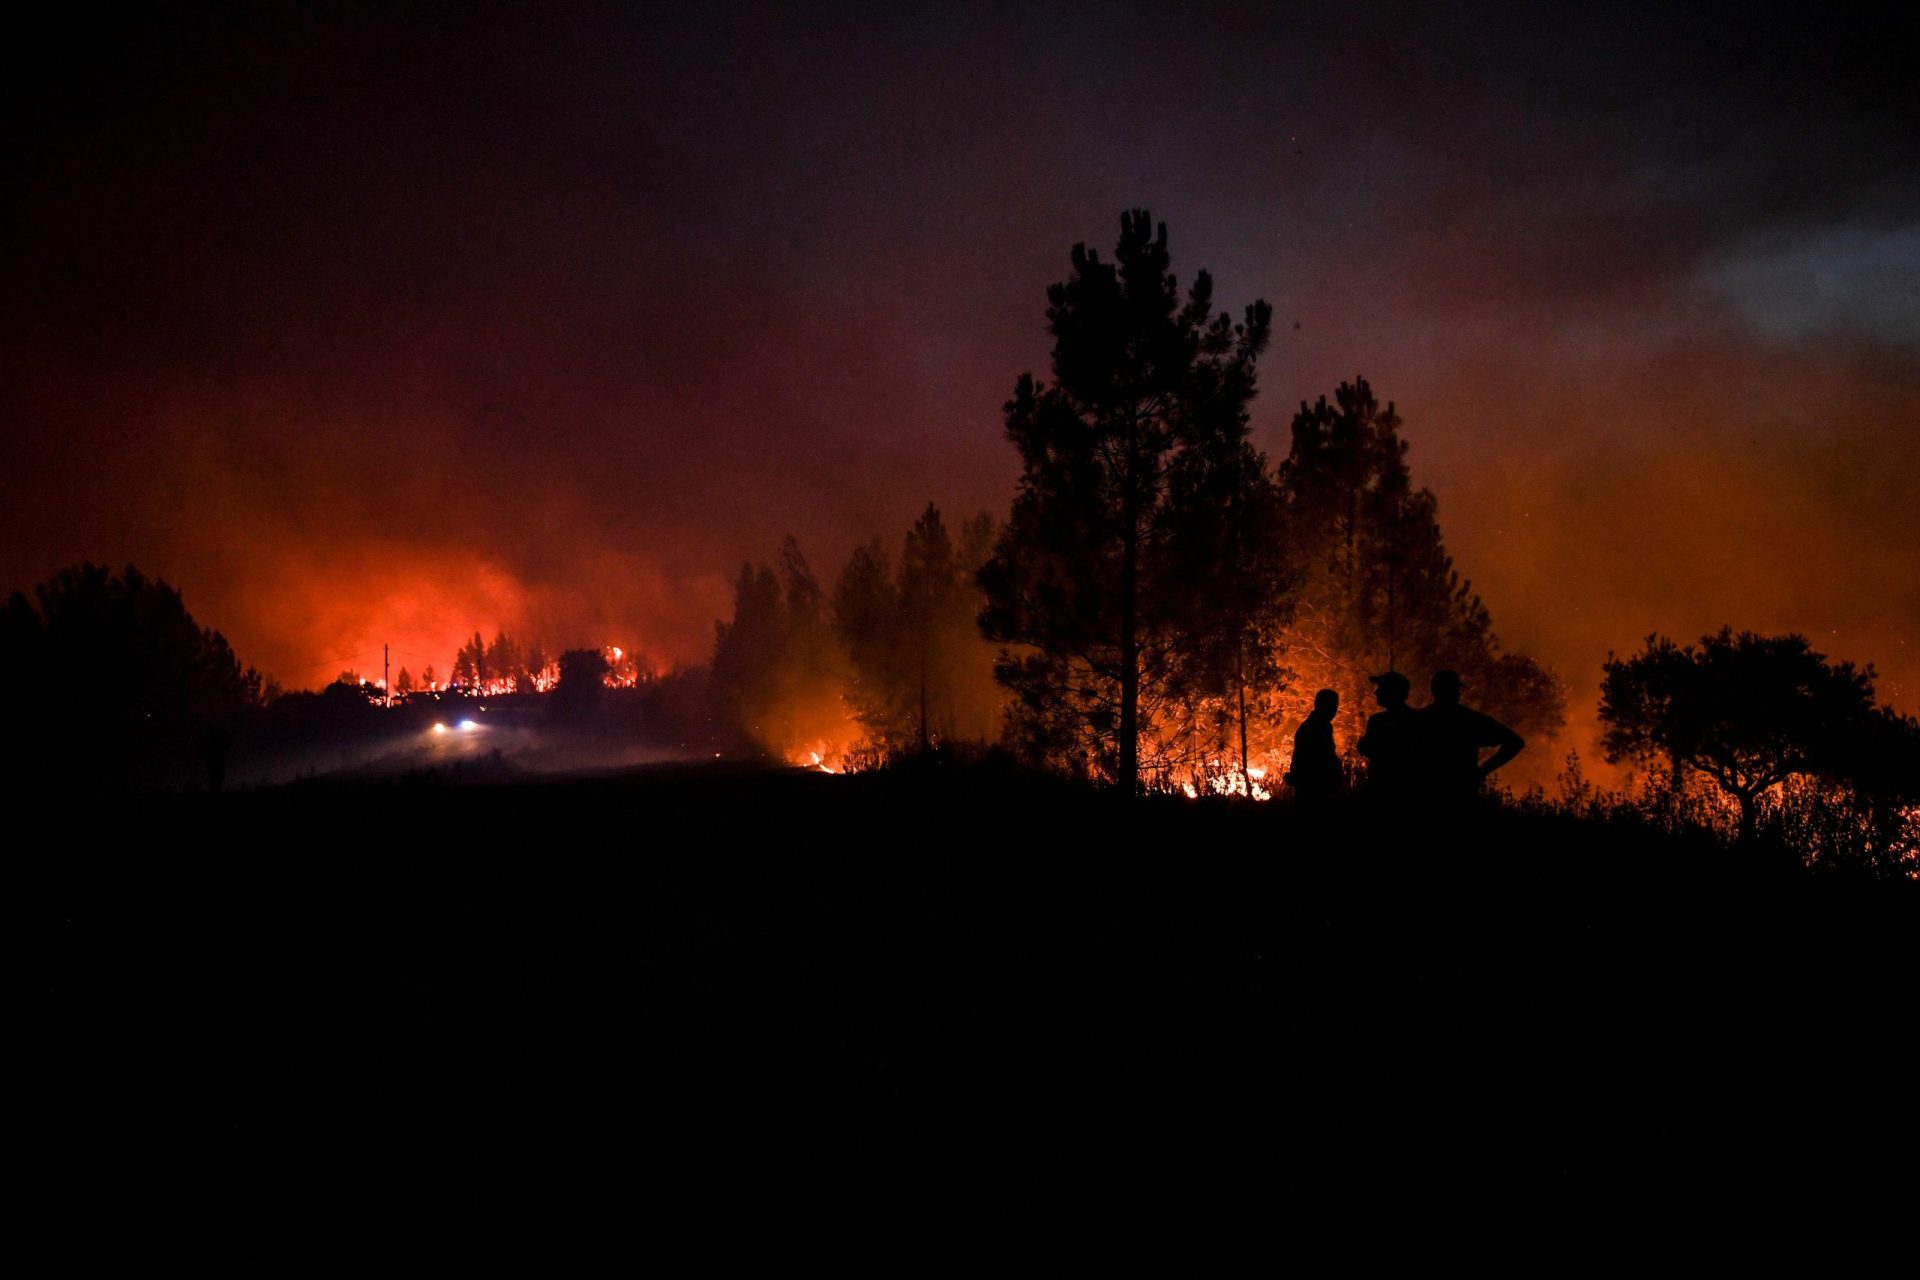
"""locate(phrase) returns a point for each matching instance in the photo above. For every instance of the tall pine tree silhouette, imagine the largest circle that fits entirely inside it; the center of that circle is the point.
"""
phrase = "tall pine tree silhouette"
(1378, 590)
(917, 662)
(1083, 587)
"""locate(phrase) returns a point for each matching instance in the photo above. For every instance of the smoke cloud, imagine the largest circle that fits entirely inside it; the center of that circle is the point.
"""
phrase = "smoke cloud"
(380, 328)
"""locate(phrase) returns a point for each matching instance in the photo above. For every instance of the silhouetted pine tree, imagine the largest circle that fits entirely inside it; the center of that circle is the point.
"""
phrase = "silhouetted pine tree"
(1378, 590)
(470, 663)
(920, 674)
(1084, 586)
(502, 661)
(1237, 573)
(777, 671)
(747, 648)
(866, 615)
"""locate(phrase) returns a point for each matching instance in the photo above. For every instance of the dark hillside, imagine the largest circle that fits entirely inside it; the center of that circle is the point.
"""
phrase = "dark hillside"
(945, 1010)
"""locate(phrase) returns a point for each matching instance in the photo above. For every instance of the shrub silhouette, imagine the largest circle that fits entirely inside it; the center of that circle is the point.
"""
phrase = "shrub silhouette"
(1747, 711)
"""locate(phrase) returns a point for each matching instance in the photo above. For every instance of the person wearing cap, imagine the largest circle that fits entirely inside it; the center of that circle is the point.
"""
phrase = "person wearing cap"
(1391, 743)
(1454, 736)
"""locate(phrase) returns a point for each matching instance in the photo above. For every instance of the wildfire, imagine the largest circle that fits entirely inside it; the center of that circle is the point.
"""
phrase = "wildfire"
(821, 756)
(541, 681)
(1231, 782)
(480, 672)
(624, 669)
(1221, 778)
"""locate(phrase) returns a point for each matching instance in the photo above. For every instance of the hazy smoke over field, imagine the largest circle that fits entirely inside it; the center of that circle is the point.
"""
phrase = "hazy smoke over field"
(393, 330)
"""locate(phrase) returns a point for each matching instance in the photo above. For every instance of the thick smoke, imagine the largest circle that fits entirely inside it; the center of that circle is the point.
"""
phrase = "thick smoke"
(389, 330)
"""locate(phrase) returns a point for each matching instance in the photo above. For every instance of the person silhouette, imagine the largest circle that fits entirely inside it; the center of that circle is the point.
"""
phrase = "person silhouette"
(1454, 736)
(1315, 773)
(1391, 743)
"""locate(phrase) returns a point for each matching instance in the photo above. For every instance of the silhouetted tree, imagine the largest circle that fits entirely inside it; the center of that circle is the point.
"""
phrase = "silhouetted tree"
(1878, 762)
(1082, 586)
(928, 588)
(1527, 697)
(1236, 574)
(777, 672)
(866, 615)
(1747, 711)
(919, 672)
(502, 662)
(747, 648)
(1378, 590)
(809, 638)
(470, 663)
(403, 683)
(538, 664)
(123, 688)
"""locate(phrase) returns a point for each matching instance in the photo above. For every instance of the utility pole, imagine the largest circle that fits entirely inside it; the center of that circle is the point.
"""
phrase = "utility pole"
(386, 676)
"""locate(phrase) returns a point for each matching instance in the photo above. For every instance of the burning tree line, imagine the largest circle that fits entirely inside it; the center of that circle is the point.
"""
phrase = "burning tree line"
(890, 661)
(505, 665)
(1163, 601)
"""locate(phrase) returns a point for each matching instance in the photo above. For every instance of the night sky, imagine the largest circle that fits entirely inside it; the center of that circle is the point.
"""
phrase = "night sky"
(359, 327)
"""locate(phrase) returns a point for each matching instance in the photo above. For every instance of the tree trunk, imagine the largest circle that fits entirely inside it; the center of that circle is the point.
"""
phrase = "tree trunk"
(1129, 778)
(1353, 518)
(1245, 776)
(1393, 655)
(1749, 814)
(1129, 669)
(926, 740)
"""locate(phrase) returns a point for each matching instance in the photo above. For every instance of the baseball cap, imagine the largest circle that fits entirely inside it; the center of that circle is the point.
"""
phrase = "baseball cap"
(1393, 680)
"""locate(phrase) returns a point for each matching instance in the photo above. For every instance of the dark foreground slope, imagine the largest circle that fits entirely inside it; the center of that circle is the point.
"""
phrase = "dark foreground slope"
(947, 1012)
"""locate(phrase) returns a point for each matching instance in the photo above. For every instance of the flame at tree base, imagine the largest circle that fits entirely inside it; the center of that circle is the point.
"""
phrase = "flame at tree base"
(819, 755)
